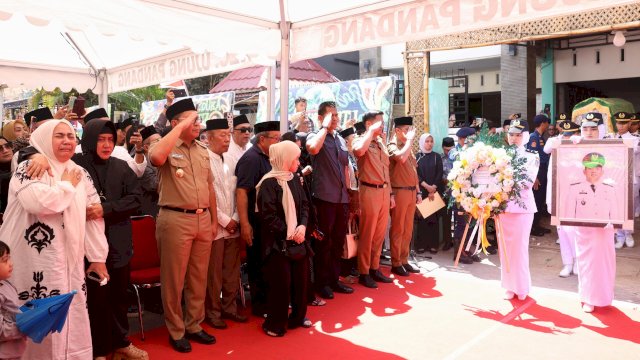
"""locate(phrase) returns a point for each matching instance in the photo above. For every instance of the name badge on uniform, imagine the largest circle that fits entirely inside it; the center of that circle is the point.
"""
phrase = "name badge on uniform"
(177, 156)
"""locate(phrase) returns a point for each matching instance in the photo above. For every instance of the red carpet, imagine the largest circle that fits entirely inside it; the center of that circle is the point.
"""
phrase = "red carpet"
(459, 316)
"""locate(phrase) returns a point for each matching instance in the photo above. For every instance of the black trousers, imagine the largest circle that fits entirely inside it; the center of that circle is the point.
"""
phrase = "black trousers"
(460, 219)
(255, 261)
(446, 215)
(540, 195)
(107, 306)
(428, 233)
(332, 221)
(287, 284)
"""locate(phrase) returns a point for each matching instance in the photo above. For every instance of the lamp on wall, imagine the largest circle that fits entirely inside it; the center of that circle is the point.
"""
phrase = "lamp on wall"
(619, 40)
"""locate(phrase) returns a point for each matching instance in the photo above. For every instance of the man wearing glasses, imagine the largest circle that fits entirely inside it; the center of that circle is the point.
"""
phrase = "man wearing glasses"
(249, 170)
(184, 226)
(240, 137)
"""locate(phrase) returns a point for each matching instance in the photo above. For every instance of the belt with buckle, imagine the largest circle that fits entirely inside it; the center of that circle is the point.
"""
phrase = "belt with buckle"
(186, 211)
(404, 187)
(381, 186)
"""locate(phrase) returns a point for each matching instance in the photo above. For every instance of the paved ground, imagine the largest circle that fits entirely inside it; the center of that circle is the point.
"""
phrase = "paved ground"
(458, 313)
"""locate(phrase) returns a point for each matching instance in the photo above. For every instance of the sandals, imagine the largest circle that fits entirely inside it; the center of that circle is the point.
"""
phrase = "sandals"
(318, 302)
(272, 333)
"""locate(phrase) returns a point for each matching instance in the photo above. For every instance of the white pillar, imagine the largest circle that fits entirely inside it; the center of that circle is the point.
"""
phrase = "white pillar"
(103, 97)
(285, 30)
(2, 87)
(271, 93)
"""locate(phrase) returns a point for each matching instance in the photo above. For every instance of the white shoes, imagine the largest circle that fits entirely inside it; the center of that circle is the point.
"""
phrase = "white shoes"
(629, 241)
(558, 241)
(587, 308)
(508, 295)
(620, 242)
(522, 297)
(575, 268)
(566, 271)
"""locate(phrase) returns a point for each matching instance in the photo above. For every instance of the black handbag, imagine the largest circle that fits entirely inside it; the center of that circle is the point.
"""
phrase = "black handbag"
(293, 250)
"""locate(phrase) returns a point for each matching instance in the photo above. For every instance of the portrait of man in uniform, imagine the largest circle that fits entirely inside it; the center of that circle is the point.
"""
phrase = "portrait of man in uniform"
(591, 183)
(591, 198)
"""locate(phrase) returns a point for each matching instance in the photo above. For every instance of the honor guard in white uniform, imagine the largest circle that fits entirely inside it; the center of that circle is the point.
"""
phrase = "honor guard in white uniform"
(623, 123)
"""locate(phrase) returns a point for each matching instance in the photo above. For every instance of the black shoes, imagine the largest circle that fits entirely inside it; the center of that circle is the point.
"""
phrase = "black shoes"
(379, 276)
(475, 258)
(399, 270)
(201, 337)
(447, 246)
(235, 317)
(492, 250)
(342, 288)
(464, 258)
(180, 345)
(410, 268)
(367, 281)
(326, 293)
(545, 230)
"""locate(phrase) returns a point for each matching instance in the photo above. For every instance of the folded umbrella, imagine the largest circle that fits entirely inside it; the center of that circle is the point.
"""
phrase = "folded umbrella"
(40, 317)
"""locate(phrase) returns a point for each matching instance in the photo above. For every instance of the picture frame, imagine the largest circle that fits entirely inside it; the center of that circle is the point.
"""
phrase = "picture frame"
(592, 183)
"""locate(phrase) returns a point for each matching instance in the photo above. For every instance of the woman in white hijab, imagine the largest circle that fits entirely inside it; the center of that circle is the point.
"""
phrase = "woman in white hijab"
(283, 209)
(47, 230)
(517, 220)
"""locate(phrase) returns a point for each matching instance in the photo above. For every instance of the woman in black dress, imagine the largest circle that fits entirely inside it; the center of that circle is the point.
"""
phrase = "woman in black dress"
(284, 210)
(430, 179)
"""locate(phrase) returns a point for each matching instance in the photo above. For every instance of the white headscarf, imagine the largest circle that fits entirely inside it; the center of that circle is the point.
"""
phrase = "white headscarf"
(422, 140)
(74, 216)
(281, 156)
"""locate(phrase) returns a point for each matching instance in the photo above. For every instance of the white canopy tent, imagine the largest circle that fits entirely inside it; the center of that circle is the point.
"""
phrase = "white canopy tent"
(116, 45)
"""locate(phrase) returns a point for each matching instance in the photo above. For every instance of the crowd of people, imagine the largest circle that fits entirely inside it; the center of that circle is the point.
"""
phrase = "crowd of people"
(288, 199)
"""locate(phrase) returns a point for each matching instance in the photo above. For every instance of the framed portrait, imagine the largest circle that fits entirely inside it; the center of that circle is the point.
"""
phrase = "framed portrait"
(592, 183)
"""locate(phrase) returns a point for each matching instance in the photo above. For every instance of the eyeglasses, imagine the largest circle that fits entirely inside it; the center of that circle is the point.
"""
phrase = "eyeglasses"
(244, 130)
(6, 146)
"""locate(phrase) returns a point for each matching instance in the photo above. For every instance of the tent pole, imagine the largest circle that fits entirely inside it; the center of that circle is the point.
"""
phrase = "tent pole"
(103, 98)
(271, 92)
(285, 28)
(2, 87)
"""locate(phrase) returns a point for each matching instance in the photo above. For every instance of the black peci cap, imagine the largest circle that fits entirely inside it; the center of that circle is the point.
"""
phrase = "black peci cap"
(179, 107)
(217, 124)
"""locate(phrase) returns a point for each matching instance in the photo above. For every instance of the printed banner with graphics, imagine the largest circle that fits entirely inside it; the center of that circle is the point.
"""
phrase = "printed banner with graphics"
(353, 98)
(417, 20)
(210, 106)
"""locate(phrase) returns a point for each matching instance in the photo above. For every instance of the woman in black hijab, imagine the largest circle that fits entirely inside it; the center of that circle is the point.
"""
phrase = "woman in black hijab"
(120, 195)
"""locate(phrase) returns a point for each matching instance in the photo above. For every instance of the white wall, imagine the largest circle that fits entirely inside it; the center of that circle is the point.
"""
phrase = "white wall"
(475, 86)
(586, 69)
(392, 55)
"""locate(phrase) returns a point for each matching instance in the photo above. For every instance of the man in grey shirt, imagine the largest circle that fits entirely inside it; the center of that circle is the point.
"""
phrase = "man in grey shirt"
(329, 159)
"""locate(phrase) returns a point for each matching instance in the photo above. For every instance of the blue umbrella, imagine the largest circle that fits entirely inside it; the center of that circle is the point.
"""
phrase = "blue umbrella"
(40, 317)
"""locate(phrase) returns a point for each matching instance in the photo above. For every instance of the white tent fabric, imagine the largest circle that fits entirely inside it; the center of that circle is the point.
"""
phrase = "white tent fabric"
(116, 45)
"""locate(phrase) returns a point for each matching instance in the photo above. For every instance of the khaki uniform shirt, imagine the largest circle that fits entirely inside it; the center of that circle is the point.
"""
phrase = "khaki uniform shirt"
(191, 191)
(373, 165)
(402, 175)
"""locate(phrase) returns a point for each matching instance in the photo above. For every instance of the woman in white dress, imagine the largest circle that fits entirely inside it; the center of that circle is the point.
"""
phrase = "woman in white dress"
(595, 249)
(47, 230)
(517, 220)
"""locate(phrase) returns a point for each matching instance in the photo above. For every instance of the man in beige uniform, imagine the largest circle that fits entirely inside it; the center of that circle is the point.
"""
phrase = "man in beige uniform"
(187, 210)
(404, 185)
(375, 191)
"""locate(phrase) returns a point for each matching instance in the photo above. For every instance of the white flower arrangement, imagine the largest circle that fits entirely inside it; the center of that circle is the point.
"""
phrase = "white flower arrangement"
(482, 180)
